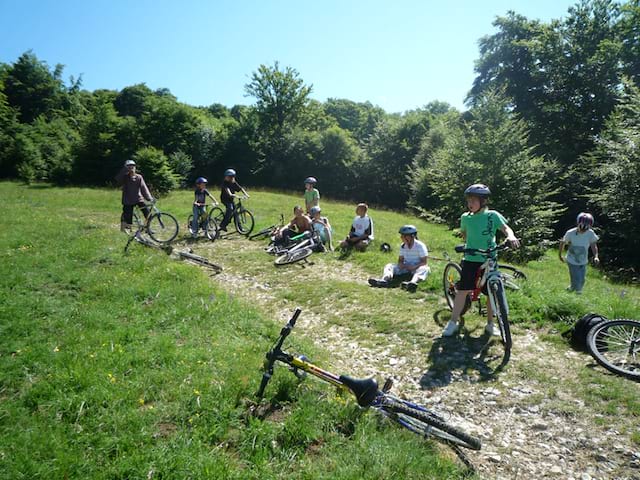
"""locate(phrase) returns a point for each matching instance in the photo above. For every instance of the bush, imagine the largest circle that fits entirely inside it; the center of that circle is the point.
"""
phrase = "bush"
(153, 166)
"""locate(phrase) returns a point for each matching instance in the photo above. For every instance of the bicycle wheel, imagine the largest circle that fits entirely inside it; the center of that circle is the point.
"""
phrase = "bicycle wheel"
(294, 256)
(512, 277)
(615, 344)
(244, 221)
(162, 227)
(502, 314)
(428, 424)
(217, 214)
(211, 228)
(452, 275)
(264, 233)
(136, 225)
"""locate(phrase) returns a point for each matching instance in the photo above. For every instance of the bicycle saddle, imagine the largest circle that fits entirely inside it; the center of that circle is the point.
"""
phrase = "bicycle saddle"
(365, 389)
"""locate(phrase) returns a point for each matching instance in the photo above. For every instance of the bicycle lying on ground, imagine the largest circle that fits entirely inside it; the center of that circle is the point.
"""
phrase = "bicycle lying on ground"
(303, 245)
(269, 231)
(206, 223)
(242, 217)
(412, 416)
(161, 227)
(615, 344)
(495, 280)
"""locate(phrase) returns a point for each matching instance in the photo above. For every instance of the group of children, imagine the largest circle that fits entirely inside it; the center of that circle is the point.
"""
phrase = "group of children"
(478, 227)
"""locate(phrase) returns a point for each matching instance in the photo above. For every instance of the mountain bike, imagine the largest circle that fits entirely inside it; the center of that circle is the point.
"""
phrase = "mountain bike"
(161, 227)
(242, 217)
(489, 276)
(414, 417)
(206, 223)
(306, 244)
(615, 344)
(269, 231)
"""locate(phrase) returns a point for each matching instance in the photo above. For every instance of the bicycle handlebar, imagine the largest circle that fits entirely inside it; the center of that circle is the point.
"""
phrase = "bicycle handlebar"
(487, 252)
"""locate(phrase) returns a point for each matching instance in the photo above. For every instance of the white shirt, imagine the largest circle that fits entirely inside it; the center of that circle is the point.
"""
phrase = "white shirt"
(361, 224)
(578, 253)
(413, 255)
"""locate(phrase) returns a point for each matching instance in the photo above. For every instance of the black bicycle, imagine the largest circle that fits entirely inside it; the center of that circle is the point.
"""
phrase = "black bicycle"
(269, 231)
(411, 416)
(161, 227)
(242, 217)
(615, 344)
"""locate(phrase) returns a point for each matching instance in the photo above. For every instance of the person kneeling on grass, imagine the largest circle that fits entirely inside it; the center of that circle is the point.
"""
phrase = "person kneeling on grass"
(361, 232)
(412, 261)
(321, 226)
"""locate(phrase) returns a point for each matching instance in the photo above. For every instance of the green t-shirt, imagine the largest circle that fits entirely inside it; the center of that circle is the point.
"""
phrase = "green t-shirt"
(481, 228)
(311, 195)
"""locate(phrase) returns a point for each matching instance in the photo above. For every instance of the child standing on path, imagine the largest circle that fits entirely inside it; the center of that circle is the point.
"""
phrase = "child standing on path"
(579, 240)
(229, 188)
(478, 227)
(134, 192)
(311, 194)
(199, 204)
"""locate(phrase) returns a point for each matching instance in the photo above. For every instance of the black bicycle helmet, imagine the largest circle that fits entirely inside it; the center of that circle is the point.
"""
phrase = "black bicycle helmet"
(201, 180)
(478, 190)
(385, 247)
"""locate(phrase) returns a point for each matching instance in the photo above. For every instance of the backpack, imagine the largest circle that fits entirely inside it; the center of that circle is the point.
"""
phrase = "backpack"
(577, 335)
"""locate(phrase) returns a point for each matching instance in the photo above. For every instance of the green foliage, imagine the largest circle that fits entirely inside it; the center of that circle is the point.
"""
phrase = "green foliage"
(155, 169)
(491, 147)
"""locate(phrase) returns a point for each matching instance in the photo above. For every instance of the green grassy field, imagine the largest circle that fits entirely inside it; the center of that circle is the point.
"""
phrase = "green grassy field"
(135, 366)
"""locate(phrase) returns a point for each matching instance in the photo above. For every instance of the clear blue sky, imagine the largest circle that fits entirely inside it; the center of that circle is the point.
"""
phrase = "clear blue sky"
(399, 54)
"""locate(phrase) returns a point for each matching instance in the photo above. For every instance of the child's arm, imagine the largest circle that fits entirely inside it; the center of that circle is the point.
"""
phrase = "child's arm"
(560, 250)
(242, 189)
(511, 238)
(594, 250)
(215, 202)
(145, 190)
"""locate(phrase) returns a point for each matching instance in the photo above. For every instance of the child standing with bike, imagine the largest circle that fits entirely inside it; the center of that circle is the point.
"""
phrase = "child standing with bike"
(229, 188)
(478, 227)
(579, 240)
(199, 204)
(134, 192)
(311, 194)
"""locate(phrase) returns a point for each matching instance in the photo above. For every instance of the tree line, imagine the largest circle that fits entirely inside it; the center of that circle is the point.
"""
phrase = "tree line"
(552, 125)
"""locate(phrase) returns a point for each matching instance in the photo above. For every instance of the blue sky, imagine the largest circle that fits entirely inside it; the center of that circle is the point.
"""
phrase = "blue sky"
(399, 54)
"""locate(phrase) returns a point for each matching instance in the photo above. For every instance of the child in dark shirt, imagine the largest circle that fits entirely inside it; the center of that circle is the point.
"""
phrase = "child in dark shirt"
(200, 203)
(229, 188)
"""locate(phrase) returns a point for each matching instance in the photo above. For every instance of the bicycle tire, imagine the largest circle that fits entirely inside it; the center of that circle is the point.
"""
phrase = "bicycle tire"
(162, 227)
(211, 229)
(512, 277)
(217, 214)
(428, 424)
(452, 274)
(244, 221)
(615, 344)
(136, 225)
(294, 256)
(264, 233)
(502, 315)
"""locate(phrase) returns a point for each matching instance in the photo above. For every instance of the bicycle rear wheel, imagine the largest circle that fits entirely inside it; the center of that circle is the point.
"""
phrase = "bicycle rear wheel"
(294, 256)
(162, 227)
(244, 221)
(513, 278)
(425, 423)
(450, 279)
(502, 315)
(615, 344)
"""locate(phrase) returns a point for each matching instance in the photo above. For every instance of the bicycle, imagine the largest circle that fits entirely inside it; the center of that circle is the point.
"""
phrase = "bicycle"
(489, 275)
(416, 418)
(242, 217)
(161, 227)
(615, 344)
(206, 222)
(268, 231)
(307, 243)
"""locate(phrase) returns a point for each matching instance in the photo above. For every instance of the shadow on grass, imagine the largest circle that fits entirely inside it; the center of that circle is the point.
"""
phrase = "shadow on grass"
(465, 357)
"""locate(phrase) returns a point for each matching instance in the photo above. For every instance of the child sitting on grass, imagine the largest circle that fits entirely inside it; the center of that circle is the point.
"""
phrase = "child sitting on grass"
(322, 226)
(361, 232)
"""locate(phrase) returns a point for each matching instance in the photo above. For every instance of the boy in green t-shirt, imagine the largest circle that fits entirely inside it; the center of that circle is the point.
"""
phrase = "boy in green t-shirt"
(478, 226)
(311, 194)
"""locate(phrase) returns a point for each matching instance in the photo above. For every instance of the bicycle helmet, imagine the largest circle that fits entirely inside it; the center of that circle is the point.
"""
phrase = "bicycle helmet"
(385, 247)
(584, 220)
(201, 180)
(314, 210)
(311, 180)
(408, 230)
(129, 163)
(478, 190)
(229, 172)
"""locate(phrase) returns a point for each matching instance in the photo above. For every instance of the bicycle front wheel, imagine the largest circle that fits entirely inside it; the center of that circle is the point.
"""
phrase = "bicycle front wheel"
(615, 344)
(211, 228)
(162, 227)
(502, 314)
(450, 279)
(294, 256)
(428, 424)
(513, 278)
(217, 214)
(244, 222)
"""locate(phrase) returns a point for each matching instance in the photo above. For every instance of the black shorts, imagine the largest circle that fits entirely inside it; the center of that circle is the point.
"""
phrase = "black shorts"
(469, 275)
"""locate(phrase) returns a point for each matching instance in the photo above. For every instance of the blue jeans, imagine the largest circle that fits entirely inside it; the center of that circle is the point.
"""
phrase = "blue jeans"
(197, 211)
(577, 273)
(228, 214)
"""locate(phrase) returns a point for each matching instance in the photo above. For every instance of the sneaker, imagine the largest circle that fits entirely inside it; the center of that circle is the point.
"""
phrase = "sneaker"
(380, 283)
(569, 289)
(450, 329)
(403, 285)
(411, 287)
(492, 329)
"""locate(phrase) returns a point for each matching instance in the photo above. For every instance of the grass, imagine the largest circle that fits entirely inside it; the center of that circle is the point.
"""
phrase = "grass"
(137, 366)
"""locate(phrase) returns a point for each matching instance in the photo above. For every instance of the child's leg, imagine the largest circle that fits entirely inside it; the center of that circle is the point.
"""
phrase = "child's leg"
(127, 214)
(194, 220)
(389, 270)
(145, 210)
(573, 275)
(581, 273)
(420, 274)
(458, 304)
(228, 214)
